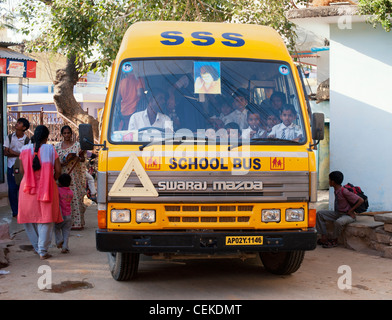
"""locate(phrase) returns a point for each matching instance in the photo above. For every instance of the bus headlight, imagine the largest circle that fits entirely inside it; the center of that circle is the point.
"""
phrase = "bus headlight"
(120, 216)
(145, 216)
(295, 214)
(270, 215)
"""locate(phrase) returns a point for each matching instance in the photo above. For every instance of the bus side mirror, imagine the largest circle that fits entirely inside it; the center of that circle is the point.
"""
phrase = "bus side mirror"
(86, 137)
(318, 126)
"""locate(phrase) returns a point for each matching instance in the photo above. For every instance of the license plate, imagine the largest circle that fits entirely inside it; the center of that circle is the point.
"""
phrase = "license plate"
(244, 240)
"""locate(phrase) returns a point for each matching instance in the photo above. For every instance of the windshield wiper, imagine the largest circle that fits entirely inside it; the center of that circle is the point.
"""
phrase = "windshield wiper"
(273, 139)
(174, 140)
(256, 140)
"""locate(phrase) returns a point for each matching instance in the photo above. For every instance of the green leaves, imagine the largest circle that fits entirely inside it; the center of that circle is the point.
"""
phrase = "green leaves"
(380, 11)
(267, 12)
(91, 31)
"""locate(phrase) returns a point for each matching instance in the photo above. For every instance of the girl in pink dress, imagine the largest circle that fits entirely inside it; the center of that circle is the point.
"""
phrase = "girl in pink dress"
(62, 230)
(39, 206)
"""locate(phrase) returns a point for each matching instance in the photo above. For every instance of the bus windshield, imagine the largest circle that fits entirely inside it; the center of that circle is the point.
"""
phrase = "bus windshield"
(214, 100)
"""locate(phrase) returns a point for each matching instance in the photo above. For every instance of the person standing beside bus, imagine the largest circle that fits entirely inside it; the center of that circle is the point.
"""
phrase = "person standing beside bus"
(71, 159)
(39, 207)
(12, 146)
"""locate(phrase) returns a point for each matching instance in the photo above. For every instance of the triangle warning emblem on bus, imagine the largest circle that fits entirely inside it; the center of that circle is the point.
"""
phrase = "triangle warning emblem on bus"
(119, 190)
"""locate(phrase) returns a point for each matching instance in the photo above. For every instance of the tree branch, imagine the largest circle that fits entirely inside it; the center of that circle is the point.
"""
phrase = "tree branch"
(212, 8)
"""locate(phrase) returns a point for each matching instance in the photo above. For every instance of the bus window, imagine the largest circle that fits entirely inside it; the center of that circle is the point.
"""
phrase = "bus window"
(155, 99)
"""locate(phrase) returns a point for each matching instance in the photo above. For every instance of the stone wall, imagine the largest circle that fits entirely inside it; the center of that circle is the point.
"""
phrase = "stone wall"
(371, 234)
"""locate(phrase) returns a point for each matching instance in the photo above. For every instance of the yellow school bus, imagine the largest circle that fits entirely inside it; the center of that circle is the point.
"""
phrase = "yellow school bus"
(206, 148)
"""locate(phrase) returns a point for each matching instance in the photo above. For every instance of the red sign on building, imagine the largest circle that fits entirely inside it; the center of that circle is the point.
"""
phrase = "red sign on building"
(31, 69)
(15, 64)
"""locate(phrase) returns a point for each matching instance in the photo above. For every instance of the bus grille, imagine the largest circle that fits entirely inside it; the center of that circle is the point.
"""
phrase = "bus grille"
(208, 214)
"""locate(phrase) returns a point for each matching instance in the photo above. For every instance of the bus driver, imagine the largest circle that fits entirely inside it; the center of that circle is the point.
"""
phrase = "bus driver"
(152, 117)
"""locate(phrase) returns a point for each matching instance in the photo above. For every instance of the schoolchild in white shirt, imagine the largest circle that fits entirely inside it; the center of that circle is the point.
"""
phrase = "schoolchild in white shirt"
(287, 129)
(272, 120)
(254, 130)
(225, 111)
(240, 113)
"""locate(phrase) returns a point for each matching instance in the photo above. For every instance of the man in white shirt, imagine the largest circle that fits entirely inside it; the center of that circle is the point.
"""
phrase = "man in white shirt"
(287, 129)
(151, 117)
(12, 150)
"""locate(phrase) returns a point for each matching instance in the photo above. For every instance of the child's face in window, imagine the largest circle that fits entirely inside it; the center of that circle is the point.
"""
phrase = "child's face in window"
(254, 121)
(287, 117)
(272, 120)
(277, 102)
(240, 103)
(226, 109)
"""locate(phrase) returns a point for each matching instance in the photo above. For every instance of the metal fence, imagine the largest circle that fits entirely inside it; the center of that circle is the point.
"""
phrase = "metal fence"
(52, 119)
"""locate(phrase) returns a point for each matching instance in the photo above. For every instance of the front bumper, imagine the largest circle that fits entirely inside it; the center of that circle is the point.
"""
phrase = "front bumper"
(202, 241)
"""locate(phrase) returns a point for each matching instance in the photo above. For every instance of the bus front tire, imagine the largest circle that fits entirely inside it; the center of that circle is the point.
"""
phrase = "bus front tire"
(123, 265)
(282, 263)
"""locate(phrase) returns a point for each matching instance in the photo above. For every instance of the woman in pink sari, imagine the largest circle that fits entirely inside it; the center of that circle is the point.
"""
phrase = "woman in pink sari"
(39, 206)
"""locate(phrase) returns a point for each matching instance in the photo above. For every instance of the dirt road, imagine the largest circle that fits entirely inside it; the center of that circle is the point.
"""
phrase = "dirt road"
(83, 274)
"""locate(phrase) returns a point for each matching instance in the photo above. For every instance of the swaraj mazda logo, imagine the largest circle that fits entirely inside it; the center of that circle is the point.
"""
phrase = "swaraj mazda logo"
(215, 186)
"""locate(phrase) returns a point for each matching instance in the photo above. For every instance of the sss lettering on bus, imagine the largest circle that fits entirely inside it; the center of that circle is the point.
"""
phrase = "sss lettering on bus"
(202, 38)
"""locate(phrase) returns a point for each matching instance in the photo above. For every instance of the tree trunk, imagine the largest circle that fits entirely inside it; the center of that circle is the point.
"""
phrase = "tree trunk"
(65, 101)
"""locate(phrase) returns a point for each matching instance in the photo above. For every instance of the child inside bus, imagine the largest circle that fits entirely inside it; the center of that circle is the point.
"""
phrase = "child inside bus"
(254, 130)
(287, 130)
(272, 120)
(218, 121)
(241, 108)
(233, 131)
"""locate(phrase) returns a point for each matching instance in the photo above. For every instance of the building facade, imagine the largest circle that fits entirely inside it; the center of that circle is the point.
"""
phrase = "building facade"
(360, 66)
